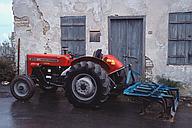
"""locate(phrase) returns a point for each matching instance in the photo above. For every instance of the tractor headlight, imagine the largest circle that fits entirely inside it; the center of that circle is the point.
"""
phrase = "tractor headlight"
(112, 62)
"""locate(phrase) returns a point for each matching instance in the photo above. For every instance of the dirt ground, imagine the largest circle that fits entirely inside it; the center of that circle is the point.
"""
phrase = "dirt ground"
(46, 110)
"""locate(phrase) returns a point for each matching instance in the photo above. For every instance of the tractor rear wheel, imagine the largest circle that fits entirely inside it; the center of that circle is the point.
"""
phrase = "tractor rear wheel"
(88, 85)
(22, 87)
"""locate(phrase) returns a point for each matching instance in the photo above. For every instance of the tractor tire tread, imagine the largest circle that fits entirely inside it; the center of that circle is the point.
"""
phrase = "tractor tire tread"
(102, 77)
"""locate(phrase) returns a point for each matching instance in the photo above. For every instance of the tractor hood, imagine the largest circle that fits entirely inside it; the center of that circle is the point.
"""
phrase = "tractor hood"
(34, 60)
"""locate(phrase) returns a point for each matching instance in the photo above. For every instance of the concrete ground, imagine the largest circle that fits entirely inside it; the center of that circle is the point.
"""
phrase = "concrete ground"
(54, 111)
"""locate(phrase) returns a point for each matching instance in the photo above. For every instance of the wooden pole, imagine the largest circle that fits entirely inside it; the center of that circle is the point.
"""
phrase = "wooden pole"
(18, 56)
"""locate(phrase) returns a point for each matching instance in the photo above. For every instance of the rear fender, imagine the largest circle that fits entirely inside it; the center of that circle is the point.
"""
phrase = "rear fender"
(98, 61)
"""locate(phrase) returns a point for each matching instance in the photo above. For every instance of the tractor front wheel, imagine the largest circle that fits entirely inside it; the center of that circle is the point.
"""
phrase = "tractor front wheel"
(87, 85)
(22, 87)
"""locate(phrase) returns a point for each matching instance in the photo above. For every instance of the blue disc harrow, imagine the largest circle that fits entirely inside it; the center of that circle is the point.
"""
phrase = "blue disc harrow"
(167, 96)
(151, 92)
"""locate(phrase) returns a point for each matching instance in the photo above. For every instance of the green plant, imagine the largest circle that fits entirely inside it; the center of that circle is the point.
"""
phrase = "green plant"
(7, 69)
(169, 82)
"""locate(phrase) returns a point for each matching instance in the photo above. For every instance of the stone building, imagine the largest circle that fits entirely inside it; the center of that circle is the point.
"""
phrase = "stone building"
(158, 29)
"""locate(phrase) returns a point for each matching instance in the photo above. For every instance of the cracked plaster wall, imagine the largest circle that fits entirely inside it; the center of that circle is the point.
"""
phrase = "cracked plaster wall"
(43, 18)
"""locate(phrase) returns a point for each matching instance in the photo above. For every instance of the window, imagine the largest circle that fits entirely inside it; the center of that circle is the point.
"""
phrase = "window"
(180, 38)
(73, 34)
(95, 36)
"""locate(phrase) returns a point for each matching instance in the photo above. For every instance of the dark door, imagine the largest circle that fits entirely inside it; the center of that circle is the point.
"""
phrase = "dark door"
(73, 34)
(126, 37)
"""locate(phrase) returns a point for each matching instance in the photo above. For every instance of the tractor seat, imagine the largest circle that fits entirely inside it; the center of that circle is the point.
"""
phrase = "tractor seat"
(98, 54)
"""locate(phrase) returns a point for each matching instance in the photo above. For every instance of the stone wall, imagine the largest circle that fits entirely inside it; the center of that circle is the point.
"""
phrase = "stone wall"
(37, 21)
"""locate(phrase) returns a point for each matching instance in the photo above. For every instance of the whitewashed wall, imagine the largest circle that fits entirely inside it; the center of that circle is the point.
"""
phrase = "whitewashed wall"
(36, 21)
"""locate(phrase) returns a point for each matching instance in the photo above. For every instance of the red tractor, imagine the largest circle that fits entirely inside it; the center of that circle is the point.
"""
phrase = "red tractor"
(89, 80)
